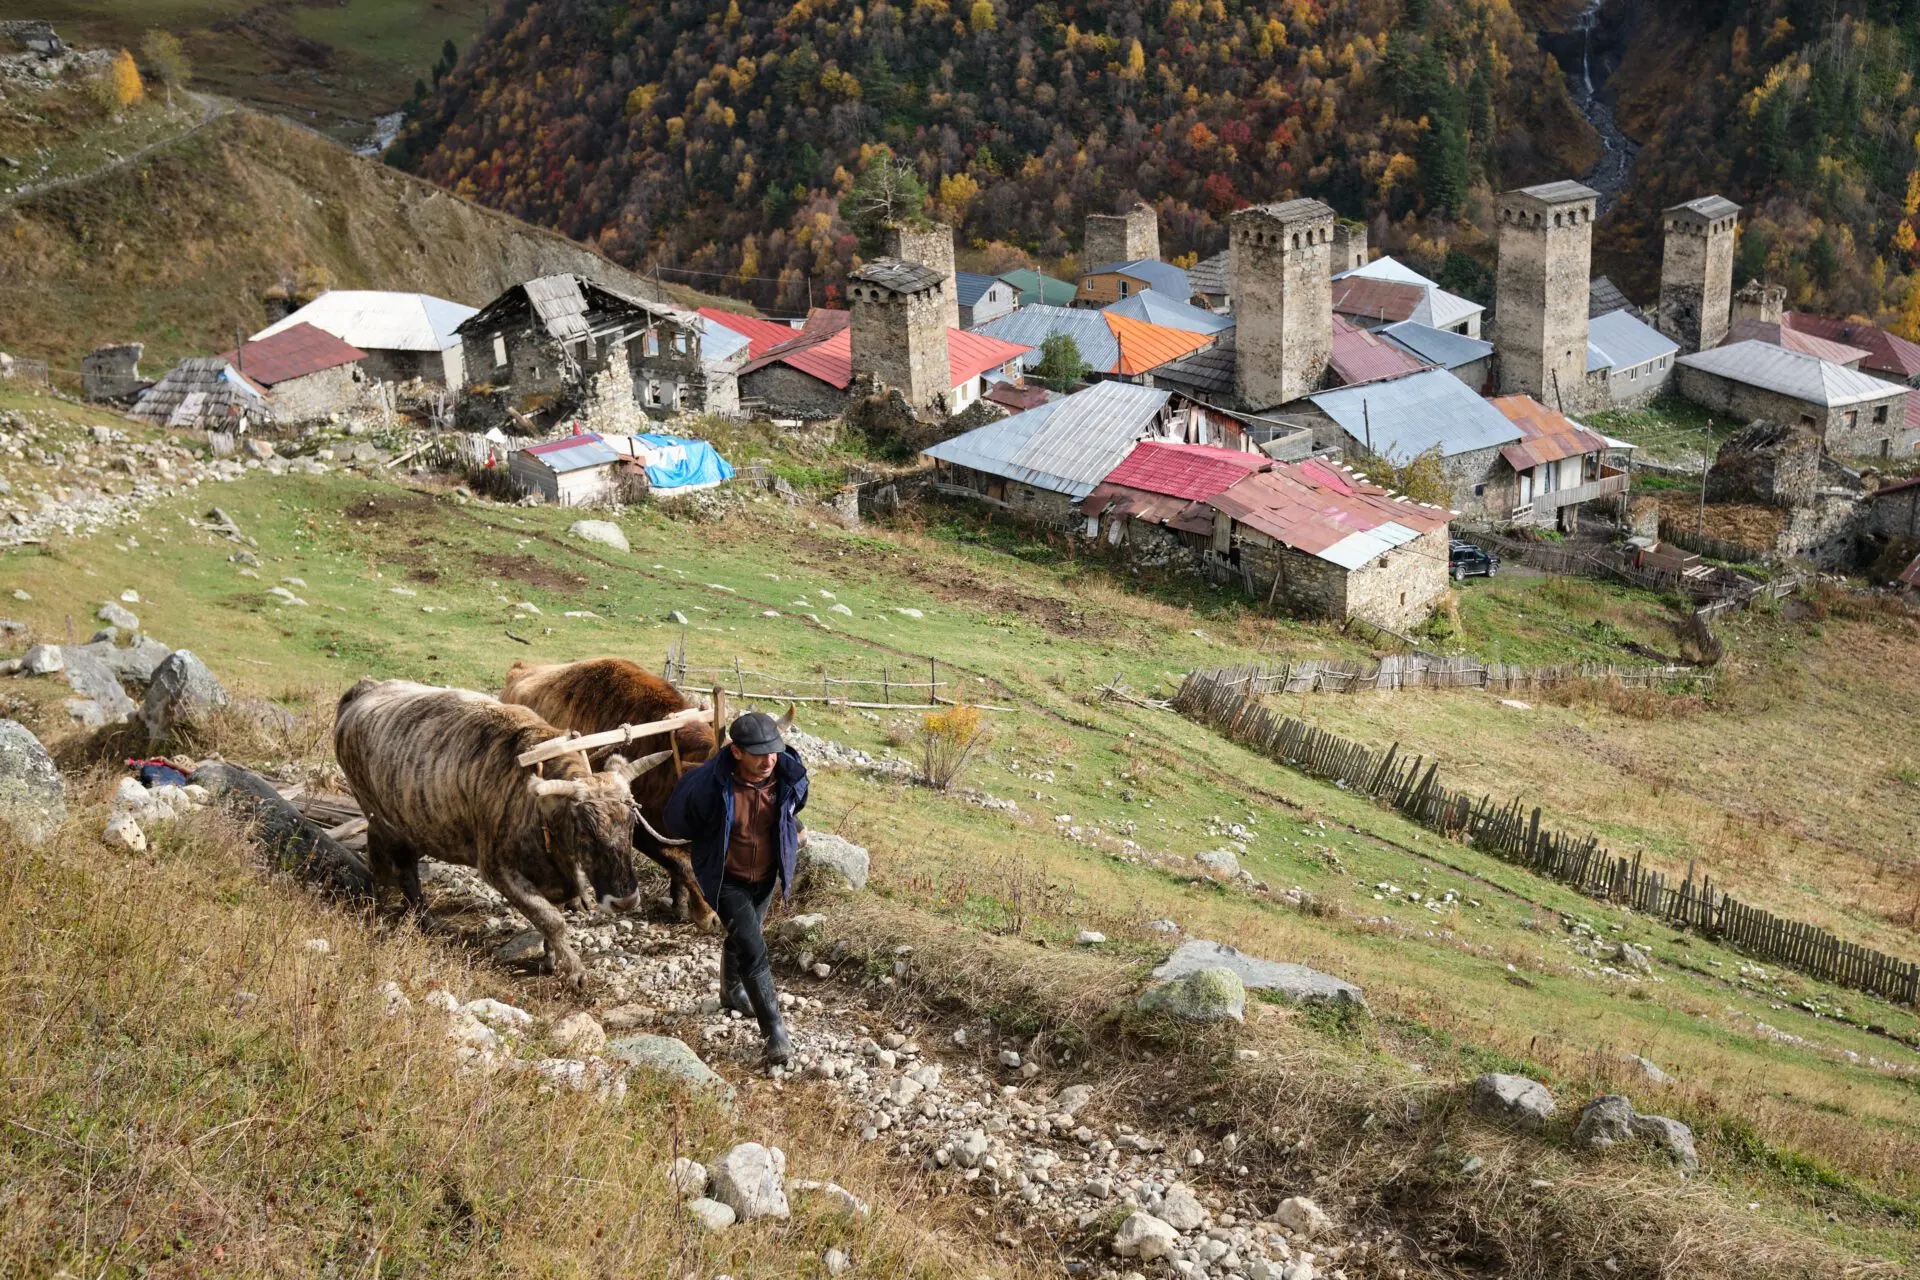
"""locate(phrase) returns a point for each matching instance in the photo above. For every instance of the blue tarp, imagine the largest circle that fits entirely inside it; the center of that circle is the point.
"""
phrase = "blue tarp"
(673, 463)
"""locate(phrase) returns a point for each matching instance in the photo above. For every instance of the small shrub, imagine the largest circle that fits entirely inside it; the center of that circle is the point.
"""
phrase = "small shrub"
(948, 740)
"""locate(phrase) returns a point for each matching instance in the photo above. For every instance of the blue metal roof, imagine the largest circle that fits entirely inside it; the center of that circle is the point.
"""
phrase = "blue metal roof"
(972, 286)
(1158, 308)
(1407, 416)
(1626, 340)
(1031, 326)
(1162, 277)
(1443, 347)
(1066, 446)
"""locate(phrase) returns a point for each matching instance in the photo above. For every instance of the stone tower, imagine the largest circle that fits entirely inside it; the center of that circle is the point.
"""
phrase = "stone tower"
(1282, 300)
(1121, 237)
(1758, 300)
(1696, 273)
(898, 330)
(1540, 292)
(932, 246)
(1349, 246)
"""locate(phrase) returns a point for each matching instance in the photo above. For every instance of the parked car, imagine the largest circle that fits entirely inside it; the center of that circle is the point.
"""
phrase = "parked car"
(1466, 560)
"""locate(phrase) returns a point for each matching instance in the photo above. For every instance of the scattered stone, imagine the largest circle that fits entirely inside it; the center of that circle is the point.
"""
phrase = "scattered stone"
(1653, 1073)
(750, 1179)
(286, 597)
(1628, 956)
(668, 1056)
(1203, 995)
(603, 533)
(678, 617)
(318, 946)
(1089, 938)
(625, 1017)
(42, 660)
(835, 1261)
(182, 688)
(579, 1035)
(1180, 1208)
(498, 1014)
(689, 1177)
(1070, 1099)
(1525, 1102)
(1221, 860)
(909, 613)
(833, 863)
(117, 615)
(840, 609)
(525, 947)
(1671, 1136)
(33, 796)
(1611, 1119)
(1145, 1237)
(124, 833)
(711, 1214)
(1301, 1216)
(1294, 981)
(395, 999)
(93, 679)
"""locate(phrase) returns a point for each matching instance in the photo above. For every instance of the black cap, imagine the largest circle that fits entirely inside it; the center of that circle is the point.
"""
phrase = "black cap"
(757, 734)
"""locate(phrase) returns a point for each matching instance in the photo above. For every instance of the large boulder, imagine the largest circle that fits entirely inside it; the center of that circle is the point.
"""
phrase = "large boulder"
(115, 614)
(1524, 1102)
(833, 863)
(751, 1180)
(42, 660)
(604, 533)
(132, 664)
(92, 678)
(1205, 995)
(668, 1056)
(182, 688)
(1610, 1120)
(33, 796)
(1671, 1137)
(1296, 982)
(1145, 1237)
(1181, 1209)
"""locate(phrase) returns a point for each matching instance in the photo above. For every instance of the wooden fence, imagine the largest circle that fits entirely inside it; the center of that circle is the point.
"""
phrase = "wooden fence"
(1432, 671)
(747, 685)
(1712, 548)
(1219, 699)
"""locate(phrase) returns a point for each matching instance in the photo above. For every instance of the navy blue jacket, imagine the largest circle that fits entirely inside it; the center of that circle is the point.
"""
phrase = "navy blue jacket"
(701, 809)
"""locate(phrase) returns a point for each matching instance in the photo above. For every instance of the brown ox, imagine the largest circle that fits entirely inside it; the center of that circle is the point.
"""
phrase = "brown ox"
(597, 694)
(436, 773)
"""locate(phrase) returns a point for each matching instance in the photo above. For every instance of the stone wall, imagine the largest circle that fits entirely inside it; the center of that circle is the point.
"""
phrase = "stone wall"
(1896, 514)
(111, 373)
(406, 366)
(312, 398)
(930, 246)
(1624, 391)
(1541, 288)
(1349, 246)
(1398, 590)
(900, 340)
(1482, 483)
(1826, 531)
(1121, 237)
(789, 393)
(1875, 428)
(1283, 301)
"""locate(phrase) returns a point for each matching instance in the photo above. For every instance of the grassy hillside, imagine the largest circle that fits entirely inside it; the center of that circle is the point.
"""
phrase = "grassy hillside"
(181, 246)
(1802, 1095)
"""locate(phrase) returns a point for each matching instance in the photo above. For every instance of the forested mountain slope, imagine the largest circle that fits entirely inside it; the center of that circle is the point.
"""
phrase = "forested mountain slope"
(688, 134)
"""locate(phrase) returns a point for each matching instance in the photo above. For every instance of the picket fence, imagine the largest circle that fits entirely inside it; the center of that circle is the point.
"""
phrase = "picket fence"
(1432, 671)
(1220, 700)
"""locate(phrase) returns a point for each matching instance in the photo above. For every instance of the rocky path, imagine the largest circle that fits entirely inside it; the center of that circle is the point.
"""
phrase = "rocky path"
(211, 109)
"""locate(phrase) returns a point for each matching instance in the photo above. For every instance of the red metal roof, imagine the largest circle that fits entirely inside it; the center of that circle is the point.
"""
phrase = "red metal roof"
(1886, 352)
(971, 354)
(292, 353)
(761, 335)
(1310, 506)
(1359, 356)
(1380, 301)
(1913, 410)
(830, 359)
(1793, 340)
(823, 322)
(1189, 471)
(1545, 436)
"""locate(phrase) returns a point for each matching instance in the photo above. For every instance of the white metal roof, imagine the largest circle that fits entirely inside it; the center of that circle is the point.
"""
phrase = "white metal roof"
(1067, 445)
(1443, 347)
(1442, 310)
(1626, 340)
(1791, 373)
(1404, 417)
(1365, 546)
(375, 320)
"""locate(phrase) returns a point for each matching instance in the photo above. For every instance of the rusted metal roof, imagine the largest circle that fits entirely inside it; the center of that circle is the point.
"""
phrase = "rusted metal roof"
(1887, 353)
(1359, 356)
(1328, 511)
(292, 353)
(1381, 301)
(1019, 399)
(1752, 330)
(1546, 436)
(1183, 470)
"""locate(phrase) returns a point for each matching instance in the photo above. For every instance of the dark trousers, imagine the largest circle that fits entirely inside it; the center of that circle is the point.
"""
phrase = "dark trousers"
(742, 908)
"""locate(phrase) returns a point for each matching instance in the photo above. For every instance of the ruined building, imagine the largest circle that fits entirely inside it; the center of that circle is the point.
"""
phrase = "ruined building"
(931, 246)
(1121, 237)
(1349, 246)
(1540, 302)
(112, 373)
(1758, 300)
(1696, 273)
(899, 330)
(1283, 300)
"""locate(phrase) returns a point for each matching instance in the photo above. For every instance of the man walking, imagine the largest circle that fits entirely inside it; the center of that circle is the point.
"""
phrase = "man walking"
(739, 812)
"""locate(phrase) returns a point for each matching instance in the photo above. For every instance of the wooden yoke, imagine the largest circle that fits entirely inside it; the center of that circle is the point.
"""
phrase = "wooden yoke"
(611, 737)
(719, 717)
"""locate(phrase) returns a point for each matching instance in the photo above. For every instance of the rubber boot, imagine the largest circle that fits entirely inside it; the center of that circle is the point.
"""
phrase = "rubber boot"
(766, 1007)
(733, 992)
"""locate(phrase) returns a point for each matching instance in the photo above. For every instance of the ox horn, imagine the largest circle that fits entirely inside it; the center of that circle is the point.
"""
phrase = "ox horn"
(558, 787)
(641, 818)
(627, 771)
(786, 721)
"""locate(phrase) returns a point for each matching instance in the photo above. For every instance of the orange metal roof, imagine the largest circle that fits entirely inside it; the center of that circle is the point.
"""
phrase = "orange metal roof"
(1545, 436)
(1145, 347)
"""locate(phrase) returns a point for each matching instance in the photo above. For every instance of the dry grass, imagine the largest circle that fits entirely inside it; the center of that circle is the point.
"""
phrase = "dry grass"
(189, 1090)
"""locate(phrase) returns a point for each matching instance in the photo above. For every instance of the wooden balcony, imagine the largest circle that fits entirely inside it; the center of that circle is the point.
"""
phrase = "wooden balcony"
(1543, 508)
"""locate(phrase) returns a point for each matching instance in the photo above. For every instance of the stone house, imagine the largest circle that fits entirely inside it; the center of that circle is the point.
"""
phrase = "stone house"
(113, 372)
(1855, 413)
(308, 374)
(204, 392)
(1555, 467)
(406, 336)
(1387, 291)
(1894, 509)
(1152, 506)
(810, 376)
(1637, 359)
(1775, 334)
(1402, 418)
(1889, 355)
(983, 297)
(1325, 542)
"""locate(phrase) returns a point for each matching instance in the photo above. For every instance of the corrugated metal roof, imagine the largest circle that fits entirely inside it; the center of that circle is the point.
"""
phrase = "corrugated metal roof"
(1603, 295)
(1327, 511)
(1031, 326)
(1163, 277)
(1145, 347)
(1790, 373)
(1437, 307)
(1212, 276)
(1169, 312)
(1359, 356)
(377, 320)
(1627, 341)
(1181, 470)
(971, 354)
(1752, 330)
(1066, 446)
(1888, 353)
(1041, 290)
(574, 453)
(561, 304)
(761, 335)
(1442, 347)
(1546, 436)
(972, 286)
(830, 358)
(898, 276)
(292, 353)
(1410, 415)
(1208, 373)
(1378, 301)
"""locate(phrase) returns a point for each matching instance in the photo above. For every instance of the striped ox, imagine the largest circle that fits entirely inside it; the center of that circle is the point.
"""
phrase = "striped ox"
(434, 771)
